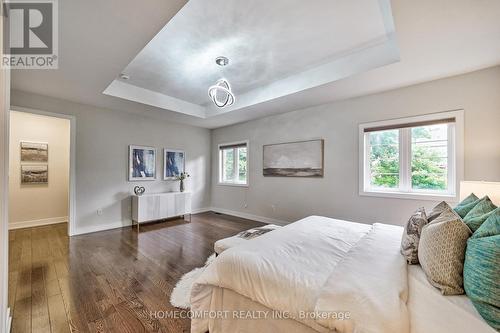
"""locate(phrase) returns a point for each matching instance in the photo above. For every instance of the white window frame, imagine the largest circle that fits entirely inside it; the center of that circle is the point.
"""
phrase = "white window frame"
(220, 162)
(455, 159)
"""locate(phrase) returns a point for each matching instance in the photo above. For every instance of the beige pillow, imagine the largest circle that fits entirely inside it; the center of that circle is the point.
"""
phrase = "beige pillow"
(441, 252)
(436, 211)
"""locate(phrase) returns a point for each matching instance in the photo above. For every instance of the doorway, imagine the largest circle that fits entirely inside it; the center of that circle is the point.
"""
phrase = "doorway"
(41, 163)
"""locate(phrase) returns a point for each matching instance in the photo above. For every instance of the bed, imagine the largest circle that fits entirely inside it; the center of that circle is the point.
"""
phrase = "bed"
(309, 275)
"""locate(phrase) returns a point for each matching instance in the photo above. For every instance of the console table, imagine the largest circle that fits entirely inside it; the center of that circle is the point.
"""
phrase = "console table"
(160, 206)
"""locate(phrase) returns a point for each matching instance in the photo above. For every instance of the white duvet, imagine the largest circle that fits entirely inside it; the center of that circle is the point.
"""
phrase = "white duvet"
(326, 273)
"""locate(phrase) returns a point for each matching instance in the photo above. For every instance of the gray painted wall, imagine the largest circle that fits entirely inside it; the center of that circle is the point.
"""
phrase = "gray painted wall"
(103, 136)
(102, 139)
(336, 195)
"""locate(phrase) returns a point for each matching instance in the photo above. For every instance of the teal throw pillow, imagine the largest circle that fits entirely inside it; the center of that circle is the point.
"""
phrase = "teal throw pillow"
(482, 269)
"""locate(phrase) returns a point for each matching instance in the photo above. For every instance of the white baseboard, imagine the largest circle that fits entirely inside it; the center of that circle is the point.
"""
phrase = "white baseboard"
(37, 223)
(8, 323)
(120, 224)
(201, 210)
(248, 216)
(81, 230)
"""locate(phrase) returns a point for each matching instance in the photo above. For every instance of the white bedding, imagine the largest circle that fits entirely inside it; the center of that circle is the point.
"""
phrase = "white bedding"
(290, 270)
(295, 270)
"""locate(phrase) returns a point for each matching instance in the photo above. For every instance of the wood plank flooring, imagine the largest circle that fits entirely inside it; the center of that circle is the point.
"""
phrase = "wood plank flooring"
(110, 281)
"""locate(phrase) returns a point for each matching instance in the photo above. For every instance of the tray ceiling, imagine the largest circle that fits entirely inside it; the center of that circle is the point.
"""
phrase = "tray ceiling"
(275, 49)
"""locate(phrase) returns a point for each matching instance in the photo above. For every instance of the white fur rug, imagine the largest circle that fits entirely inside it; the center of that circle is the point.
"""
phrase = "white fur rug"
(180, 297)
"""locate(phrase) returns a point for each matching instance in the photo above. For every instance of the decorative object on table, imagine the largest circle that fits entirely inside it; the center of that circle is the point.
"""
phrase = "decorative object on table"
(142, 163)
(181, 177)
(294, 159)
(34, 174)
(173, 163)
(139, 190)
(34, 152)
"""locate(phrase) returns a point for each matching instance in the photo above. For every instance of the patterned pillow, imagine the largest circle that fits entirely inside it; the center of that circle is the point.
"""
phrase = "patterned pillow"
(411, 236)
(482, 269)
(441, 252)
(466, 205)
(479, 213)
(436, 211)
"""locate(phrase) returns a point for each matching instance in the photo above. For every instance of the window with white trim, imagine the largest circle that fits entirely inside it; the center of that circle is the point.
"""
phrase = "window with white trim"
(410, 157)
(233, 164)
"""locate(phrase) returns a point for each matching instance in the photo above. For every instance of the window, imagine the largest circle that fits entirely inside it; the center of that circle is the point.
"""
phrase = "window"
(233, 164)
(413, 157)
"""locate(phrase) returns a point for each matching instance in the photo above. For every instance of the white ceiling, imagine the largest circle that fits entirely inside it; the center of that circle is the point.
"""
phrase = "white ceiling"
(265, 42)
(100, 39)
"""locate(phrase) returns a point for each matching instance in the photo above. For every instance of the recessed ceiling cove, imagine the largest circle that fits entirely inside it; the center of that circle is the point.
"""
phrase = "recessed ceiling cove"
(274, 49)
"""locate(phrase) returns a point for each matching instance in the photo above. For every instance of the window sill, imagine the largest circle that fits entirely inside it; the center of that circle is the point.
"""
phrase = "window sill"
(410, 196)
(232, 184)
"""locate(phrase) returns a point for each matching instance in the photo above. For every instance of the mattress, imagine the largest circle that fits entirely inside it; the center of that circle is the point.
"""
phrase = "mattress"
(431, 312)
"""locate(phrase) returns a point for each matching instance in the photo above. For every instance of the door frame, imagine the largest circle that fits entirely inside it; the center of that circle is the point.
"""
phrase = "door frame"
(5, 318)
(72, 160)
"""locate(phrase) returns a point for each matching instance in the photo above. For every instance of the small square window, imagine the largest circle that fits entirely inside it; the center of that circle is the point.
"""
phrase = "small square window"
(233, 164)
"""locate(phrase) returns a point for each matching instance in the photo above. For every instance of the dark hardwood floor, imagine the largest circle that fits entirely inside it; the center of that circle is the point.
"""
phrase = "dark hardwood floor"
(110, 281)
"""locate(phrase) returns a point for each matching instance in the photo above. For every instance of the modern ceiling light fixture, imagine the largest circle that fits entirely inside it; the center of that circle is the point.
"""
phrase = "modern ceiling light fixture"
(222, 61)
(221, 93)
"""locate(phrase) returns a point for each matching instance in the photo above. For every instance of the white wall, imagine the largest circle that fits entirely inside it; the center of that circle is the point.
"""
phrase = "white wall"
(336, 194)
(102, 140)
(4, 146)
(41, 203)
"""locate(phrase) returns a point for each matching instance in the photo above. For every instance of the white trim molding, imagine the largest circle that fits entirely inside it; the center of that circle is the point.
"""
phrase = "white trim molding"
(37, 223)
(120, 224)
(72, 162)
(200, 210)
(455, 158)
(82, 230)
(5, 318)
(248, 216)
(8, 324)
(235, 160)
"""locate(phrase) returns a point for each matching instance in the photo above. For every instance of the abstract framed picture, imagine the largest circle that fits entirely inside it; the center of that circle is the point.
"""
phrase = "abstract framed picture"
(34, 174)
(34, 152)
(174, 162)
(142, 163)
(294, 159)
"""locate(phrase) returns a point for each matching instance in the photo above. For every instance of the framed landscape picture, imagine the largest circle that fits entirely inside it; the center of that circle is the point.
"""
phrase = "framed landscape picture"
(34, 174)
(174, 163)
(294, 159)
(34, 152)
(142, 163)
